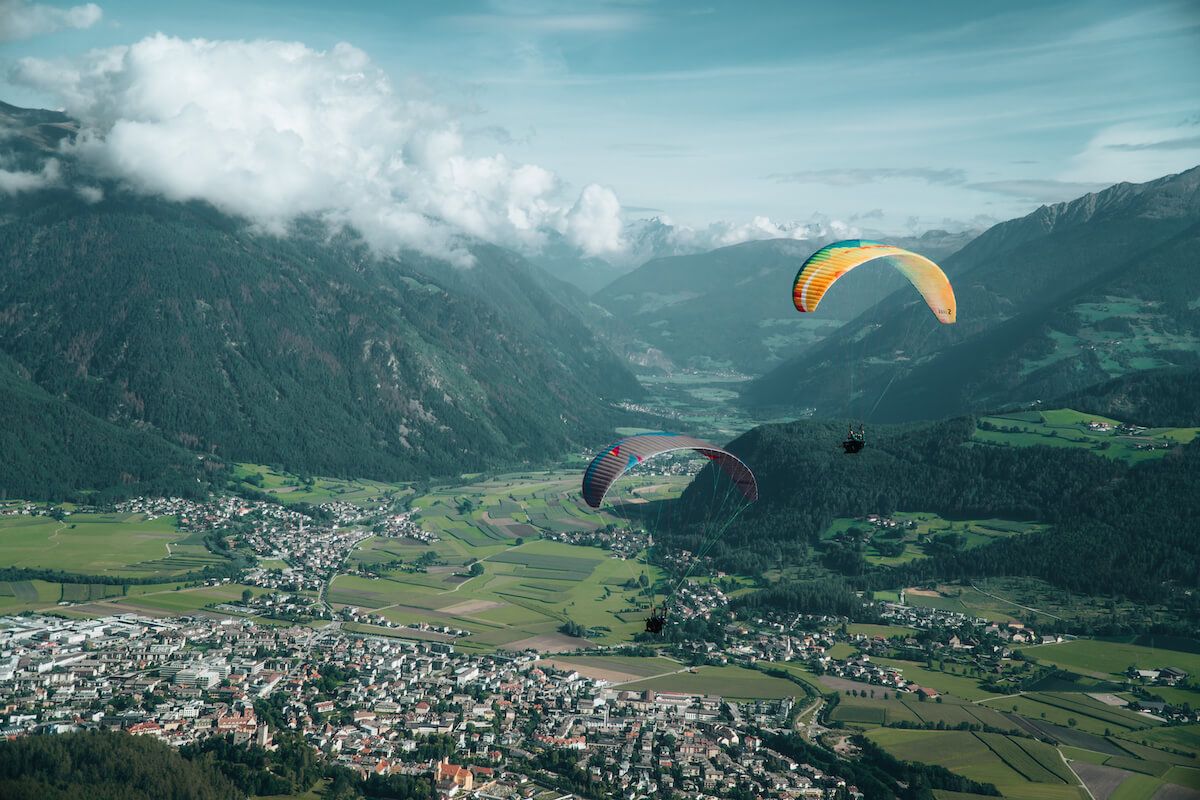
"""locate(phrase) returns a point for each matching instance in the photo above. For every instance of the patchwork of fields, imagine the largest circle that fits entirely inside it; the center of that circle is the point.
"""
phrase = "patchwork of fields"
(1011, 599)
(110, 545)
(290, 488)
(1028, 744)
(729, 681)
(120, 545)
(529, 586)
(1018, 767)
(525, 591)
(1065, 427)
(915, 529)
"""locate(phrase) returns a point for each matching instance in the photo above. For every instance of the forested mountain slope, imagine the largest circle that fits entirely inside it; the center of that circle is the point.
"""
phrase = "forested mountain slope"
(1152, 397)
(50, 448)
(305, 350)
(1115, 529)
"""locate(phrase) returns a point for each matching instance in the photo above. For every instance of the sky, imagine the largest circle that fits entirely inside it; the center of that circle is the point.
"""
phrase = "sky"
(881, 115)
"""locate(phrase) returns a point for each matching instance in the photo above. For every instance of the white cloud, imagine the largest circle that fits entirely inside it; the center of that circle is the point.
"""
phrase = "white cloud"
(20, 19)
(90, 194)
(857, 176)
(17, 181)
(1039, 190)
(1137, 153)
(594, 223)
(723, 234)
(660, 236)
(272, 131)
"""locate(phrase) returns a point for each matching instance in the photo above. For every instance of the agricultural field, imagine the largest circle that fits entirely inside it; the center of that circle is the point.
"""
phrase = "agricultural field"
(617, 669)
(1075, 711)
(121, 545)
(179, 601)
(1119, 746)
(289, 488)
(1178, 737)
(1065, 427)
(489, 514)
(915, 532)
(799, 672)
(530, 586)
(728, 681)
(18, 596)
(871, 712)
(962, 599)
(886, 631)
(525, 591)
(1020, 768)
(956, 685)
(1025, 599)
(841, 651)
(1107, 658)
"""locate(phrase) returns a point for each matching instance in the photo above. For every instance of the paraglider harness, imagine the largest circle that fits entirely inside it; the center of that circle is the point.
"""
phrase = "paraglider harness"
(656, 621)
(855, 442)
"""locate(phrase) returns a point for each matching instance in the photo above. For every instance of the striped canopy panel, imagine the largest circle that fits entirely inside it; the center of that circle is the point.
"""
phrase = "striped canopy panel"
(620, 457)
(833, 261)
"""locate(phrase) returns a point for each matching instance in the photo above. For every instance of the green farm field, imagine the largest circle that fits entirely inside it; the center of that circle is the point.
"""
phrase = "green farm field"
(530, 585)
(1177, 737)
(1009, 599)
(964, 600)
(988, 758)
(914, 528)
(1065, 427)
(289, 488)
(1103, 658)
(125, 545)
(728, 681)
(1076, 711)
(960, 686)
(478, 519)
(610, 666)
(886, 631)
(183, 601)
(525, 591)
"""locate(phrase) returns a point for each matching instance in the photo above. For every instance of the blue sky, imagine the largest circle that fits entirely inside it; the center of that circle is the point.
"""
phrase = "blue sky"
(889, 115)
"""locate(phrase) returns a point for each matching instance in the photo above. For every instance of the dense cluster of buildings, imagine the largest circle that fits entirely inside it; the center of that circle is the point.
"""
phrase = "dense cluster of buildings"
(378, 705)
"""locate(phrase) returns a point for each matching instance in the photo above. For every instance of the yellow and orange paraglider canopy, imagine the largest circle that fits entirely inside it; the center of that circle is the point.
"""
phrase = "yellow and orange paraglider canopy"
(833, 261)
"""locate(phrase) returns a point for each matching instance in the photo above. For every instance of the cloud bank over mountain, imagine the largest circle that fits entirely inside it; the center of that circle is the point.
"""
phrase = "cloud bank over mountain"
(272, 131)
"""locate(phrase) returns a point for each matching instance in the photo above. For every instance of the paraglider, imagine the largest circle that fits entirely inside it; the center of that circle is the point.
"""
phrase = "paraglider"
(855, 442)
(824, 267)
(618, 458)
(622, 456)
(656, 621)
